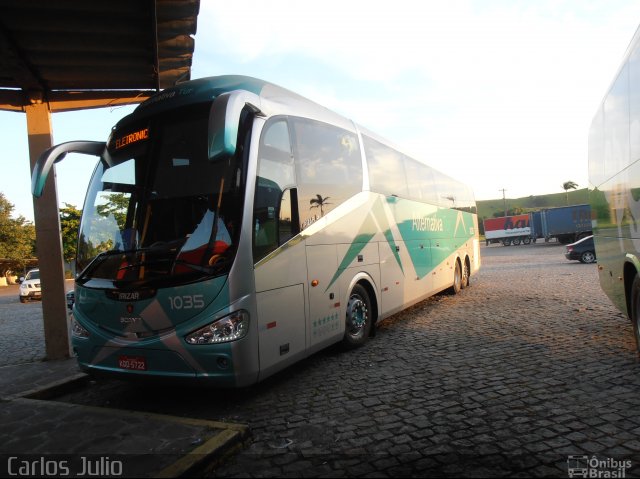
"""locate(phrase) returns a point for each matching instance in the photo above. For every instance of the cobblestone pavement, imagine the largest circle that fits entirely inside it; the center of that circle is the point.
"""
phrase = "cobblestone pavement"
(528, 372)
(21, 329)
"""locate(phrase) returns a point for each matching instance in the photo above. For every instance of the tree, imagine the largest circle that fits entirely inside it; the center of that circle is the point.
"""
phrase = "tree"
(116, 206)
(17, 239)
(69, 225)
(569, 185)
(319, 202)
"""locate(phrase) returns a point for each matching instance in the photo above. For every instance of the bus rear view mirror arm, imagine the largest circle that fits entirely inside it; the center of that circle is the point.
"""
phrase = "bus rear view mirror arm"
(56, 154)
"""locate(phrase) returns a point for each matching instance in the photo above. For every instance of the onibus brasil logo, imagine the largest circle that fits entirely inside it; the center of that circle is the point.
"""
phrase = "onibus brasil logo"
(585, 466)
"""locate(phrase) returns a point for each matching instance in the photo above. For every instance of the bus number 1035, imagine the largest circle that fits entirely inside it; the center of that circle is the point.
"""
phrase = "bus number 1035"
(192, 301)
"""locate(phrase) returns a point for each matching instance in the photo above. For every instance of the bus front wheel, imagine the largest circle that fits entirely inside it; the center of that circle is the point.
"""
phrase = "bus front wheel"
(358, 318)
(635, 310)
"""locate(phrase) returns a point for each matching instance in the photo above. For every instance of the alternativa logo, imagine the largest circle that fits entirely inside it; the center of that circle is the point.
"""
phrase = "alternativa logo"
(583, 466)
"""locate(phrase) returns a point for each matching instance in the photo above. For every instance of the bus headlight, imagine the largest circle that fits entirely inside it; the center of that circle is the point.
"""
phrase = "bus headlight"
(77, 331)
(229, 328)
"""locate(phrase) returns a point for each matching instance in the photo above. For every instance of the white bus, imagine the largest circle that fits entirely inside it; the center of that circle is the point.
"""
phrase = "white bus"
(614, 181)
(232, 227)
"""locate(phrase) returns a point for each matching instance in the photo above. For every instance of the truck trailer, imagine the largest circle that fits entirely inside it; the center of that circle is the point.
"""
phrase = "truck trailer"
(508, 229)
(566, 224)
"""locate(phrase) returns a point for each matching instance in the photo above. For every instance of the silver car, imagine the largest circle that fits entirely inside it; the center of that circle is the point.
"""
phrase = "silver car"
(30, 286)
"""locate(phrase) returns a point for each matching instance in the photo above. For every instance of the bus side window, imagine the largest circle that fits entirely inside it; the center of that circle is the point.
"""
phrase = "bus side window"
(328, 167)
(275, 188)
(288, 222)
(264, 218)
(270, 233)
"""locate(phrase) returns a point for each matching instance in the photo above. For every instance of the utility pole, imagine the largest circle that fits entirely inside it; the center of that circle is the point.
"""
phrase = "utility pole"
(504, 201)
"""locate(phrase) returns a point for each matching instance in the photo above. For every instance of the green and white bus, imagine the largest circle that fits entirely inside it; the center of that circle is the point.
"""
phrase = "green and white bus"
(232, 227)
(614, 177)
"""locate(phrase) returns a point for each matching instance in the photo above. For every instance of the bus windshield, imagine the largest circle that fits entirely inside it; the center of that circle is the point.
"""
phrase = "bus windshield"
(158, 209)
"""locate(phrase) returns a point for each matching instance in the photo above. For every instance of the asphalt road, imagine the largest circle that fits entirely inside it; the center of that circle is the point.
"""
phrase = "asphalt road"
(529, 372)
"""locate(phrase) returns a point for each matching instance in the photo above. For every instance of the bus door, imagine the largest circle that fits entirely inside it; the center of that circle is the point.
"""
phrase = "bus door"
(278, 253)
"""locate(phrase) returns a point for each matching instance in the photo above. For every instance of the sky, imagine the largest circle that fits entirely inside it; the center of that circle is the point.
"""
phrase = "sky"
(496, 93)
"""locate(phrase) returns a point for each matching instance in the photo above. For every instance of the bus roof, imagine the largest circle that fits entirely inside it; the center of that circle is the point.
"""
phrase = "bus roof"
(275, 100)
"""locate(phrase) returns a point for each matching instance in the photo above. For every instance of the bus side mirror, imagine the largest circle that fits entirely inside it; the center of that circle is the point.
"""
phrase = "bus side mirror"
(56, 154)
(224, 121)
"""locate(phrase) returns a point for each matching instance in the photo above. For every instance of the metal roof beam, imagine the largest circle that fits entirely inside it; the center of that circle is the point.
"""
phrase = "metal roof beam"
(21, 71)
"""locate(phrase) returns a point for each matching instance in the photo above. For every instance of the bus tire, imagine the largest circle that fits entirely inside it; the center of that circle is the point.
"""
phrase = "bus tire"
(526, 240)
(466, 275)
(358, 318)
(515, 241)
(457, 279)
(506, 242)
(635, 311)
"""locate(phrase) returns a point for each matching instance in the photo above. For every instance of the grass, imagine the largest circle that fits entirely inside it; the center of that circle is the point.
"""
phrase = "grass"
(487, 208)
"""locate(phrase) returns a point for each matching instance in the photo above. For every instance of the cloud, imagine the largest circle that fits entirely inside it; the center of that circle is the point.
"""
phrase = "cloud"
(490, 91)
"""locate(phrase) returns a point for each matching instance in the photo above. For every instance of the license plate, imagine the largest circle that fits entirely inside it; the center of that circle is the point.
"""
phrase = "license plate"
(134, 363)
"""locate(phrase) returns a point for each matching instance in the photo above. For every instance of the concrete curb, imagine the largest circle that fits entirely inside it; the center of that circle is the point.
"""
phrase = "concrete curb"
(202, 459)
(52, 389)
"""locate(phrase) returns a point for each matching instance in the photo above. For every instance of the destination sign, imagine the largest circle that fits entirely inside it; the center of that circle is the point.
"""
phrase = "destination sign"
(132, 138)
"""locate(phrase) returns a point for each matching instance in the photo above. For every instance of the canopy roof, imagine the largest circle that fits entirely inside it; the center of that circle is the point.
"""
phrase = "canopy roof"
(96, 53)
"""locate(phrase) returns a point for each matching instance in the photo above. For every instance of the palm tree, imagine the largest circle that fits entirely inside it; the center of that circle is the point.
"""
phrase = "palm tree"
(569, 185)
(319, 202)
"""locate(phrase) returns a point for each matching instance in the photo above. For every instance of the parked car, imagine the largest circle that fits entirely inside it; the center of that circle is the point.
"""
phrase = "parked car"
(583, 250)
(30, 286)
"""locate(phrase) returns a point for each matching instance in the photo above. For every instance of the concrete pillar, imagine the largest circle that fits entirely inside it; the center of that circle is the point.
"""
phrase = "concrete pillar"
(48, 239)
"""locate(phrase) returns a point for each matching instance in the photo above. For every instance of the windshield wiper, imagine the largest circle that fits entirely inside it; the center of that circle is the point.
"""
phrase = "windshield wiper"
(144, 263)
(101, 257)
(206, 270)
(202, 269)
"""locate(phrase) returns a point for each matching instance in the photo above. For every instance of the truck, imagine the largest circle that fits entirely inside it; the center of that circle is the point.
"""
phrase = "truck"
(509, 229)
(566, 224)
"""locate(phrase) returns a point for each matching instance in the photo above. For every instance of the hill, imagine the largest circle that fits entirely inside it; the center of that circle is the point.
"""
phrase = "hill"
(487, 208)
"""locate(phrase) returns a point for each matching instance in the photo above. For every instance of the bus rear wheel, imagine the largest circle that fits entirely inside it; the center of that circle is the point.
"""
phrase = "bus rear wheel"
(457, 280)
(635, 310)
(358, 318)
(466, 275)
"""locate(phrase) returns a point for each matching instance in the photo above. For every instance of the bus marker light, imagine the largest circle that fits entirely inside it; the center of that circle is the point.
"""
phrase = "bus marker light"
(271, 325)
(315, 283)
